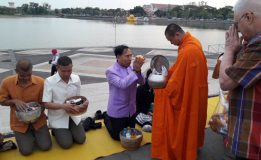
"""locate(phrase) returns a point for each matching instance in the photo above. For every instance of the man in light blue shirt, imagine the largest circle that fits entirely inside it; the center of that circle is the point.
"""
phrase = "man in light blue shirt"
(123, 80)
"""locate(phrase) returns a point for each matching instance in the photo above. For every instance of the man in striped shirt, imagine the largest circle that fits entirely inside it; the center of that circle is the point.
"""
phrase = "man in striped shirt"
(240, 73)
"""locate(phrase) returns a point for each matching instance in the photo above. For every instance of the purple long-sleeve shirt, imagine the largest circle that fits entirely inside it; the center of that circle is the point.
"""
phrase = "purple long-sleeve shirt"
(122, 90)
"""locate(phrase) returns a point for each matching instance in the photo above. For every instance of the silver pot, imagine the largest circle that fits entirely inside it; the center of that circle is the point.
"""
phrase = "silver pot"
(30, 116)
(159, 66)
(157, 81)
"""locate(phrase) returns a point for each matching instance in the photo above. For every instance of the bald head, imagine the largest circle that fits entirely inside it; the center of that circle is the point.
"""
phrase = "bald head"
(247, 18)
(24, 65)
(172, 29)
(243, 6)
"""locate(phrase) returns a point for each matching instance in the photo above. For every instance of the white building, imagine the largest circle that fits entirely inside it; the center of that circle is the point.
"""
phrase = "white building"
(153, 7)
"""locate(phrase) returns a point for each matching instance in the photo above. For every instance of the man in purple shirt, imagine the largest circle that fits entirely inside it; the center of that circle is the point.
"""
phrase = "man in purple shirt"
(123, 80)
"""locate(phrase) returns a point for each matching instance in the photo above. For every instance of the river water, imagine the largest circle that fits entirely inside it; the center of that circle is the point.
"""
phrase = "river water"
(35, 32)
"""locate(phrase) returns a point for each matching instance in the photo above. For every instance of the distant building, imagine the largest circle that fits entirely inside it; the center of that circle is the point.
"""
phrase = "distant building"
(192, 3)
(153, 7)
(11, 4)
(202, 3)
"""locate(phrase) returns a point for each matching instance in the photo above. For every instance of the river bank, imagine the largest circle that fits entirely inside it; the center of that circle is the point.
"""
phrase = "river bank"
(200, 23)
(24, 16)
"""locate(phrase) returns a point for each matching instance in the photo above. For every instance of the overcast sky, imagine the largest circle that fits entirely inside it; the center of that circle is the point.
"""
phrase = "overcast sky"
(112, 4)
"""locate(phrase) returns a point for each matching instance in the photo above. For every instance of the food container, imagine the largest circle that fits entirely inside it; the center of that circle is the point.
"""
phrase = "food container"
(159, 66)
(31, 114)
(131, 138)
(77, 101)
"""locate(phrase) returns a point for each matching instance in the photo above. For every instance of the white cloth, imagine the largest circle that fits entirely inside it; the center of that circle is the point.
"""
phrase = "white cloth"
(55, 59)
(144, 118)
(57, 91)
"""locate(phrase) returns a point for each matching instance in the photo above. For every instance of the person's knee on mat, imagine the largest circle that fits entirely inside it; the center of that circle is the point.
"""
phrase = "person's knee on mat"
(66, 144)
(115, 137)
(45, 147)
(80, 140)
(26, 151)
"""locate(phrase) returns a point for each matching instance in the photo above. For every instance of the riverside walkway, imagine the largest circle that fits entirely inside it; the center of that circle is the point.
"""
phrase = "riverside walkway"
(90, 64)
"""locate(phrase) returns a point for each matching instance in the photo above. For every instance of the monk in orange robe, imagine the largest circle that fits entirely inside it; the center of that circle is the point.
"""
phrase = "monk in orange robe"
(180, 110)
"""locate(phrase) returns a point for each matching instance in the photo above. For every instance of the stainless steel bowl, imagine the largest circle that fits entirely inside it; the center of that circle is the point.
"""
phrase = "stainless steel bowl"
(157, 81)
(32, 115)
(159, 66)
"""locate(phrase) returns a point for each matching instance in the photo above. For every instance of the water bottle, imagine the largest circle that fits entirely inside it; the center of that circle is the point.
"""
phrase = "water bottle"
(124, 131)
(128, 133)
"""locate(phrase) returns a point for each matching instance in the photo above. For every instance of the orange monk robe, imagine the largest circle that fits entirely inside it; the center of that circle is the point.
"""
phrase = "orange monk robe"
(180, 109)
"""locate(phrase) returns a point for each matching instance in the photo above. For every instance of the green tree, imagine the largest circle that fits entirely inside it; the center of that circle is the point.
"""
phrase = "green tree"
(7, 11)
(66, 11)
(138, 11)
(160, 13)
(25, 8)
(226, 12)
(56, 11)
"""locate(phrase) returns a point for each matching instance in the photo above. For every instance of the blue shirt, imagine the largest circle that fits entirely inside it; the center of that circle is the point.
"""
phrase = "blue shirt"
(122, 90)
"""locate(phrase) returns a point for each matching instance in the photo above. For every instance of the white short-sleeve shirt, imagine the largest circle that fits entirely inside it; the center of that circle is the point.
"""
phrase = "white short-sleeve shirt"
(57, 91)
(55, 59)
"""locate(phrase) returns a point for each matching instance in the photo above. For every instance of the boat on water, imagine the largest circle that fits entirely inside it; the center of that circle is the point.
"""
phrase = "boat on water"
(131, 18)
(142, 19)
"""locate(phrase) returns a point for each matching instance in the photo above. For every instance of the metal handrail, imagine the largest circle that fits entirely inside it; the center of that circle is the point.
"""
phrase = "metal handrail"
(216, 48)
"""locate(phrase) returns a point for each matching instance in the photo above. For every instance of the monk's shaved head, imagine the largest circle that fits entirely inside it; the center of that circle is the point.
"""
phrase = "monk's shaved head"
(24, 65)
(243, 6)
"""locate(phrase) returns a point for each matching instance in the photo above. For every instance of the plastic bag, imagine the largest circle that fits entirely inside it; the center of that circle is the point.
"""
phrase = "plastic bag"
(218, 121)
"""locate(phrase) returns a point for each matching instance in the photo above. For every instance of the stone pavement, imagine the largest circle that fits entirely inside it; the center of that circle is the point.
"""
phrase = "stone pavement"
(90, 63)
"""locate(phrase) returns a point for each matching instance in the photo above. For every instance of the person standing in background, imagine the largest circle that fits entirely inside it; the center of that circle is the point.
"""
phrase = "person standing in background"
(54, 61)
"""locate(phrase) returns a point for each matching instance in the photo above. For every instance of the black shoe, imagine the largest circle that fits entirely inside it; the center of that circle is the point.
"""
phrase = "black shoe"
(96, 125)
(87, 123)
(98, 115)
(52, 132)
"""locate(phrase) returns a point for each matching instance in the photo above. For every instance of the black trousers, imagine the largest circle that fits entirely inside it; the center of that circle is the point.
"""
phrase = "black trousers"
(116, 125)
(53, 70)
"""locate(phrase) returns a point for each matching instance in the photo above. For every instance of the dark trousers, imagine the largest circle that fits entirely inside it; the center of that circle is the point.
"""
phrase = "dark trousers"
(116, 125)
(26, 141)
(53, 70)
(66, 137)
(240, 158)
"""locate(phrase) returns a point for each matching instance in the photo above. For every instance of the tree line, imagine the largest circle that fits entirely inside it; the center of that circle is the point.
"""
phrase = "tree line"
(185, 11)
(197, 12)
(28, 9)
